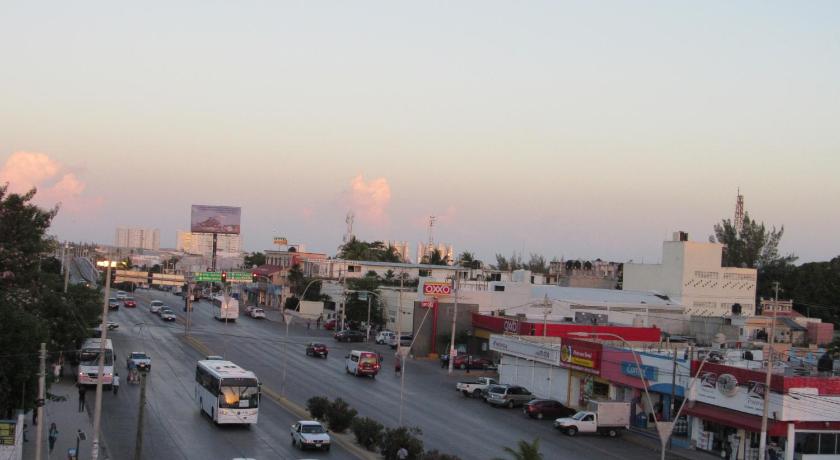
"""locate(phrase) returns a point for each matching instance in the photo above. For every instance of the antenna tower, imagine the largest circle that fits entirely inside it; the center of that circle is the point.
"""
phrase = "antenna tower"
(739, 212)
(348, 236)
(430, 248)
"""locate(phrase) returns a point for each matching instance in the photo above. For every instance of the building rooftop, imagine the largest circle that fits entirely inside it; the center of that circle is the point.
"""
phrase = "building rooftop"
(603, 296)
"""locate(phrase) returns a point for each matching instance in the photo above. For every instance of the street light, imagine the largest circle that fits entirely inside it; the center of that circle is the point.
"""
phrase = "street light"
(97, 413)
(287, 318)
(663, 428)
(367, 335)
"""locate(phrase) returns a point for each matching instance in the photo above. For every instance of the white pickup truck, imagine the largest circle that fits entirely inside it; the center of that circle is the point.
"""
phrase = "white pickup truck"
(605, 417)
(475, 388)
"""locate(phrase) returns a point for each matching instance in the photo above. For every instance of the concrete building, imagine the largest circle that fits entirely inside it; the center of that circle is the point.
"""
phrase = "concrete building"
(202, 243)
(445, 250)
(402, 249)
(143, 238)
(597, 273)
(691, 274)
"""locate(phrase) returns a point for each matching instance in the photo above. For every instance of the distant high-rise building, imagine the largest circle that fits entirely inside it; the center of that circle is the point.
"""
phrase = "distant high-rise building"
(401, 247)
(142, 238)
(424, 250)
(202, 243)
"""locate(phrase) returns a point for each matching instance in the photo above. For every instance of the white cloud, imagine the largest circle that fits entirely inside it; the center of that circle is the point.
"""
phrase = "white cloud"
(369, 200)
(24, 170)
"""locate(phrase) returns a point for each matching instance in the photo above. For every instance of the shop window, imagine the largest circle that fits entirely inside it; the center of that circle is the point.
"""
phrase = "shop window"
(828, 443)
(807, 443)
(601, 390)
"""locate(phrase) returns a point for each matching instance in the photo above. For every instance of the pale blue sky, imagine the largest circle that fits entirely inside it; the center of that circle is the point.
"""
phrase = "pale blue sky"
(576, 129)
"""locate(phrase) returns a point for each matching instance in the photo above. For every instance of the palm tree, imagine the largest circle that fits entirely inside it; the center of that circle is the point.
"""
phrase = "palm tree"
(295, 278)
(525, 451)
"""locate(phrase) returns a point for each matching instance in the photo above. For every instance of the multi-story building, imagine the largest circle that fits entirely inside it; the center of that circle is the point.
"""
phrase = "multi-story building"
(597, 273)
(143, 238)
(202, 243)
(446, 251)
(401, 247)
(692, 275)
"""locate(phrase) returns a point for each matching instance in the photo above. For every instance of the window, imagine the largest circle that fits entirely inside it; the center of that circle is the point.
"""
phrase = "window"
(424, 272)
(706, 275)
(816, 443)
(499, 288)
(828, 443)
(589, 418)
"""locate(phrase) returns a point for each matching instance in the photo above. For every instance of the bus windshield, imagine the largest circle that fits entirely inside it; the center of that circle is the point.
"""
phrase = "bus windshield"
(239, 397)
(90, 357)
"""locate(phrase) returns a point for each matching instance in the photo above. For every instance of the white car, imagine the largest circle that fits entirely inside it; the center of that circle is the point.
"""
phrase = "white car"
(257, 313)
(385, 337)
(167, 314)
(310, 434)
(121, 295)
(155, 306)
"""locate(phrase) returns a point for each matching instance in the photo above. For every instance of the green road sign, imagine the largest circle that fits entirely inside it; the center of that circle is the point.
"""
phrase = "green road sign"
(208, 277)
(241, 277)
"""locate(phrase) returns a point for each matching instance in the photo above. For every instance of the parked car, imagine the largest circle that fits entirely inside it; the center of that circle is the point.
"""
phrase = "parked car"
(121, 295)
(508, 395)
(309, 434)
(349, 336)
(129, 302)
(475, 388)
(167, 314)
(140, 360)
(330, 325)
(316, 349)
(546, 408)
(471, 362)
(155, 306)
(257, 313)
(384, 337)
(113, 304)
(405, 341)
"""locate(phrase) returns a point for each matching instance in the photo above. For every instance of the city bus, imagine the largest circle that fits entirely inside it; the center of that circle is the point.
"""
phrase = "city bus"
(89, 362)
(226, 392)
(225, 308)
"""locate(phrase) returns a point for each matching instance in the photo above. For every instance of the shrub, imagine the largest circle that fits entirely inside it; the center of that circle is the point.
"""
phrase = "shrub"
(340, 415)
(368, 431)
(435, 455)
(394, 438)
(317, 407)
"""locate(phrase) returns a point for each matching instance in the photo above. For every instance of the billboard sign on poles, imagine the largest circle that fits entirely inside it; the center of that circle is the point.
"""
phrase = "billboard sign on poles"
(215, 219)
(437, 289)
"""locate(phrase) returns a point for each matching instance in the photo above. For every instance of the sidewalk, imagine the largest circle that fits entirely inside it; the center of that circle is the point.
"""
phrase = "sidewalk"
(67, 419)
(650, 441)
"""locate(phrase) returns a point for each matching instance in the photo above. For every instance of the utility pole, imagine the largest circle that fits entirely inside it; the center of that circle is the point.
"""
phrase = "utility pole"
(454, 318)
(138, 442)
(546, 310)
(188, 299)
(762, 441)
(367, 334)
(66, 267)
(39, 404)
(97, 412)
(673, 389)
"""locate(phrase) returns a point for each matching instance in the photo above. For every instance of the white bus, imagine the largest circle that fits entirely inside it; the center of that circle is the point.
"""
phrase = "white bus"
(226, 392)
(225, 308)
(89, 362)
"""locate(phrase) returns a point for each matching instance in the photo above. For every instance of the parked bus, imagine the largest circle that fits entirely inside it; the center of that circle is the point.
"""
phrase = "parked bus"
(226, 392)
(225, 308)
(89, 362)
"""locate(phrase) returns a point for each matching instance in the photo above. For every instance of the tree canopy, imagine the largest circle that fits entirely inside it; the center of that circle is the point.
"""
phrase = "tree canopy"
(376, 251)
(753, 247)
(435, 258)
(33, 305)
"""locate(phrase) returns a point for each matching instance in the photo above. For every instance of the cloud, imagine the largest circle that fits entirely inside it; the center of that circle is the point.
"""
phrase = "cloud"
(24, 170)
(370, 199)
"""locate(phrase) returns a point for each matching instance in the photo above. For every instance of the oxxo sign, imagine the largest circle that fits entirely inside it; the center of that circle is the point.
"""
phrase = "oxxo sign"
(437, 289)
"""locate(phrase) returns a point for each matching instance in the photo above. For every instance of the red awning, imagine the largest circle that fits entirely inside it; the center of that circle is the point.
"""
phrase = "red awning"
(734, 418)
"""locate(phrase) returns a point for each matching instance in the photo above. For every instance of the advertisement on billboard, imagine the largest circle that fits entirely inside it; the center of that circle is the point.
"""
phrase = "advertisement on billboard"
(437, 289)
(215, 219)
(581, 356)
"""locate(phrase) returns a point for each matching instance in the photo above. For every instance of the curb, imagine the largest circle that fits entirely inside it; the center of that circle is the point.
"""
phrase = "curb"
(342, 439)
(653, 444)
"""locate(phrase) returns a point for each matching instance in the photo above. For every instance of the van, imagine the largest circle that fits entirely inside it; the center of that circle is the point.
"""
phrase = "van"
(385, 337)
(405, 341)
(362, 363)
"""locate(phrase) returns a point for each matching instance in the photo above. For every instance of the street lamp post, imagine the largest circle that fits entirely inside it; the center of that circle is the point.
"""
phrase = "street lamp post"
(97, 413)
(368, 311)
(287, 318)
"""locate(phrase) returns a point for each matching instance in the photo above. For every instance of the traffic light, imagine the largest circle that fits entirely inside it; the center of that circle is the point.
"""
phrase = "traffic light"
(224, 277)
(253, 277)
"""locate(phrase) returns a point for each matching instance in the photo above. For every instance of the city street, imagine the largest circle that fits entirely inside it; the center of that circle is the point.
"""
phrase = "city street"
(175, 429)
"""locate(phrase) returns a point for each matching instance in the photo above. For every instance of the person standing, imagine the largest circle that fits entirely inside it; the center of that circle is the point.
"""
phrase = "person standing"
(82, 398)
(116, 384)
(57, 372)
(53, 436)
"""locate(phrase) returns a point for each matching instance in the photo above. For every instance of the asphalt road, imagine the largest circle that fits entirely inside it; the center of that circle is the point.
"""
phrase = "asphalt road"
(449, 422)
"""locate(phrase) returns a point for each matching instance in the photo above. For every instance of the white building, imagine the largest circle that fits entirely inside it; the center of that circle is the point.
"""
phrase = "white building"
(202, 243)
(445, 250)
(401, 247)
(143, 238)
(691, 274)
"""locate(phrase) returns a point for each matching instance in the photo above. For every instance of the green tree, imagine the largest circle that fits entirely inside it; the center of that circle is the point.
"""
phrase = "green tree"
(467, 259)
(525, 451)
(537, 264)
(33, 304)
(254, 259)
(753, 247)
(396, 438)
(296, 279)
(367, 431)
(376, 251)
(435, 258)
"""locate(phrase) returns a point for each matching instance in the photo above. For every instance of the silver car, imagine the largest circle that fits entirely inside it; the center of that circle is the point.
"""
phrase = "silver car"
(309, 434)
(508, 395)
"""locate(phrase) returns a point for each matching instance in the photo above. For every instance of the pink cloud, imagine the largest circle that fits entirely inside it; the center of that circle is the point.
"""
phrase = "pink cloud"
(24, 170)
(370, 199)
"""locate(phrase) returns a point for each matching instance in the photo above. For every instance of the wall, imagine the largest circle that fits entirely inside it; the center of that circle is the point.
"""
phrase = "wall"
(544, 380)
(390, 298)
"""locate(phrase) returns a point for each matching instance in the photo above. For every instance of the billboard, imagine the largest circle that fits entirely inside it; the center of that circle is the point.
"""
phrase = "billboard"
(215, 219)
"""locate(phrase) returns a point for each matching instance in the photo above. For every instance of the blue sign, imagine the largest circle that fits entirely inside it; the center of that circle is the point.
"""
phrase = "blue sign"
(631, 369)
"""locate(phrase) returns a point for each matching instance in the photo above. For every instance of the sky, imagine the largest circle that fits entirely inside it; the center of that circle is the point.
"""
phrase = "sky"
(572, 129)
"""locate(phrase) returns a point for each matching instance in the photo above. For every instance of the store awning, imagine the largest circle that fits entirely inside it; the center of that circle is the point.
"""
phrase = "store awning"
(734, 418)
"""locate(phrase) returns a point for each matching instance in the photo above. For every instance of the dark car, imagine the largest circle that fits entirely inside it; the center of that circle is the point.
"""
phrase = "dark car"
(113, 303)
(317, 349)
(471, 362)
(547, 408)
(349, 336)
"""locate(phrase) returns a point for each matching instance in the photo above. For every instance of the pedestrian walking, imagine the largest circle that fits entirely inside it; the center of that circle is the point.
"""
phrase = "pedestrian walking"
(402, 454)
(309, 324)
(116, 384)
(35, 417)
(25, 432)
(57, 372)
(82, 398)
(318, 323)
(53, 435)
